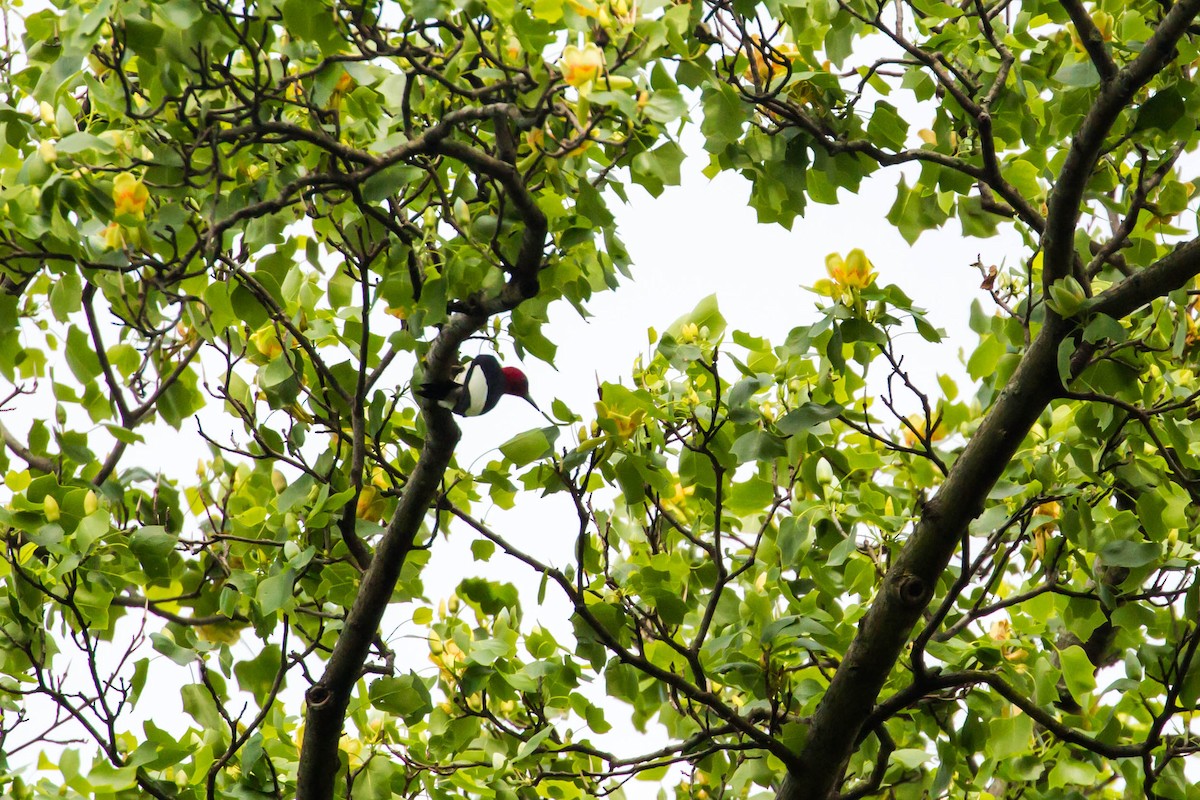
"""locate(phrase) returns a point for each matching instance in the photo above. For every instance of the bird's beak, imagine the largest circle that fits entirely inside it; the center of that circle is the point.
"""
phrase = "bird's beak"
(529, 400)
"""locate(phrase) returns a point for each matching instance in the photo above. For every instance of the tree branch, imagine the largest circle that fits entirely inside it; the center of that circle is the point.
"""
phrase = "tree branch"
(40, 463)
(909, 584)
(1093, 41)
(1063, 204)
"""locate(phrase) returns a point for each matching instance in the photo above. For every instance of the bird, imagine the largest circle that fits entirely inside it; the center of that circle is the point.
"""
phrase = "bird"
(478, 388)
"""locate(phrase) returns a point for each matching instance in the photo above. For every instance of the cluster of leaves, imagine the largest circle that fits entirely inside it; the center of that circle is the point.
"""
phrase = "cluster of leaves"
(289, 211)
(759, 511)
(276, 211)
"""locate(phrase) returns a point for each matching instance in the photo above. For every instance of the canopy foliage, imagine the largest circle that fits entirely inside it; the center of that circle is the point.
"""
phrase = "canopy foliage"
(278, 217)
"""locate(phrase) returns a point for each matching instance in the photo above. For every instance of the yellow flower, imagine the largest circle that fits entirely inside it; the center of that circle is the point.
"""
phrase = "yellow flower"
(581, 148)
(1043, 532)
(915, 431)
(768, 61)
(1051, 508)
(627, 426)
(266, 341)
(371, 504)
(677, 502)
(581, 66)
(130, 195)
(113, 236)
(535, 140)
(847, 277)
(852, 273)
(584, 8)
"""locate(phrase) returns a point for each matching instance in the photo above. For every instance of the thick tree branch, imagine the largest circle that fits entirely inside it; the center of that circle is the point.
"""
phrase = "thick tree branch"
(1063, 204)
(1092, 39)
(329, 697)
(909, 584)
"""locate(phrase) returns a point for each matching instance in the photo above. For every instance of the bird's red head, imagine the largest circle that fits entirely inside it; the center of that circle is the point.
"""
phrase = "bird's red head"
(515, 382)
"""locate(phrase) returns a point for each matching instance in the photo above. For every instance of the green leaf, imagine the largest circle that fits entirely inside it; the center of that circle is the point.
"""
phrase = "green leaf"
(1068, 772)
(169, 648)
(530, 446)
(198, 703)
(1162, 111)
(665, 105)
(1079, 74)
(90, 530)
(257, 675)
(1123, 553)
(152, 541)
(909, 758)
(81, 356)
(1023, 175)
(983, 361)
(1102, 327)
(407, 696)
(807, 417)
(530, 745)
(79, 142)
(887, 127)
(122, 434)
(1078, 672)
(275, 592)
(104, 777)
(724, 115)
(66, 296)
(757, 446)
(1009, 736)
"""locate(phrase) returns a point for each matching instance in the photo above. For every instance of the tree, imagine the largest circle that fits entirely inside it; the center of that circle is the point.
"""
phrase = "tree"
(212, 209)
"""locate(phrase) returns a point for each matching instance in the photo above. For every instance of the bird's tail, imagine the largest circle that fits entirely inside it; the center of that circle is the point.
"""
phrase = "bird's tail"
(436, 390)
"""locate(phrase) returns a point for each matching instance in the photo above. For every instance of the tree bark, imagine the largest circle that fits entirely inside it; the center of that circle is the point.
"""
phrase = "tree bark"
(329, 697)
(908, 586)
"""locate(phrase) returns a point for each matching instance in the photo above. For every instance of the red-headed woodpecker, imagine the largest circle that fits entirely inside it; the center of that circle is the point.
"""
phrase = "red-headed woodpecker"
(478, 389)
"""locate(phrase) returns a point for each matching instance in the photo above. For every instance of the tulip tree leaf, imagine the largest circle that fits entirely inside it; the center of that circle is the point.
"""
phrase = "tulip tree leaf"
(527, 447)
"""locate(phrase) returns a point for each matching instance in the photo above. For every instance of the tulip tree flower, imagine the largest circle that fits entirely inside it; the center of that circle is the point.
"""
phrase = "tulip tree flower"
(130, 195)
(581, 66)
(847, 277)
